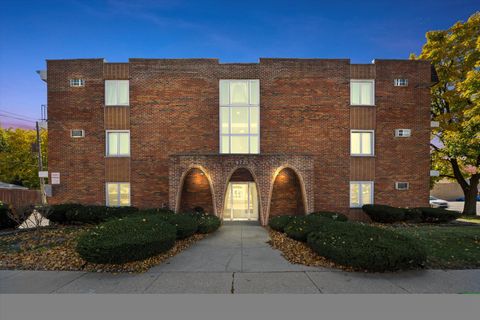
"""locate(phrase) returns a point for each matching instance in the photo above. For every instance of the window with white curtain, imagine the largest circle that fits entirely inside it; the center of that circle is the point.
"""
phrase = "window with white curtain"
(239, 116)
(361, 193)
(118, 194)
(362, 92)
(362, 142)
(118, 143)
(117, 93)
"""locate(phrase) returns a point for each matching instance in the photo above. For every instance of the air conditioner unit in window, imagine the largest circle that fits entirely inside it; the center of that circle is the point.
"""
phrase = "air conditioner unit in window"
(403, 133)
(400, 82)
(402, 185)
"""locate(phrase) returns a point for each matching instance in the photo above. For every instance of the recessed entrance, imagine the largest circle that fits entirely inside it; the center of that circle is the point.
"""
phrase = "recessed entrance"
(241, 201)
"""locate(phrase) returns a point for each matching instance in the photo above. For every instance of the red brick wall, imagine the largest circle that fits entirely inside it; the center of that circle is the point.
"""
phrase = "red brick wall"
(196, 192)
(174, 110)
(286, 195)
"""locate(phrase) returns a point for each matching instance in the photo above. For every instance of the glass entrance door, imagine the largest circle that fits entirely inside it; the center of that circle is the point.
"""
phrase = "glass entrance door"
(241, 201)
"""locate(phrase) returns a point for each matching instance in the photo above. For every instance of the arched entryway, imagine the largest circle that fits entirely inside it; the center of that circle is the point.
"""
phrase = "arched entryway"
(287, 196)
(241, 197)
(196, 192)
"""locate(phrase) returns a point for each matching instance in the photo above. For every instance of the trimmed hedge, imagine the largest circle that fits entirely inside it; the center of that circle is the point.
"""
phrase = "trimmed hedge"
(126, 239)
(384, 213)
(58, 212)
(156, 211)
(5, 221)
(300, 226)
(438, 215)
(208, 223)
(95, 214)
(413, 215)
(186, 225)
(279, 223)
(366, 247)
(331, 215)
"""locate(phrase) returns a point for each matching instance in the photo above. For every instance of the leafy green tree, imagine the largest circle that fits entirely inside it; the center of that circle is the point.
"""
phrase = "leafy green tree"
(18, 162)
(455, 54)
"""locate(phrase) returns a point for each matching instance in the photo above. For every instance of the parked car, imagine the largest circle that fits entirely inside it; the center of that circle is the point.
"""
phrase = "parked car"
(438, 203)
(463, 198)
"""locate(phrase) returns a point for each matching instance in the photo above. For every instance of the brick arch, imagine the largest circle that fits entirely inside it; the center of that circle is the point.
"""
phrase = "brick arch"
(202, 194)
(287, 193)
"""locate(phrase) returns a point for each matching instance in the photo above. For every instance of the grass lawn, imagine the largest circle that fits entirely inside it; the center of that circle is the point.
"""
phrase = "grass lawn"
(448, 247)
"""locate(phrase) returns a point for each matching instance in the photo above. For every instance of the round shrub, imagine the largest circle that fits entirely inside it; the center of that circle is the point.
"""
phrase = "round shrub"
(279, 223)
(331, 215)
(383, 213)
(208, 223)
(366, 247)
(186, 225)
(126, 239)
(58, 212)
(438, 215)
(300, 226)
(5, 221)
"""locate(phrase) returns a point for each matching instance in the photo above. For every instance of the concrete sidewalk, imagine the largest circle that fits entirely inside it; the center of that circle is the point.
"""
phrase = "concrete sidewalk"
(238, 259)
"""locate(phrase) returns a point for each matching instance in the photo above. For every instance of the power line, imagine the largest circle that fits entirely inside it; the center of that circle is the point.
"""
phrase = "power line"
(17, 118)
(18, 115)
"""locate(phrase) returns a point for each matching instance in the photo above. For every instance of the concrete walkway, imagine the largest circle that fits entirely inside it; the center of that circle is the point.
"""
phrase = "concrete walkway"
(237, 259)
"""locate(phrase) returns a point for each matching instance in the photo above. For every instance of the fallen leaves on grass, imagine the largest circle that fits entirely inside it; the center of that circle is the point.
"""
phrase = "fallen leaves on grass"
(299, 253)
(54, 249)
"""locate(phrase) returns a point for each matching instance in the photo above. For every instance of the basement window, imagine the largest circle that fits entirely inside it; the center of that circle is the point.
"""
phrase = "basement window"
(77, 133)
(118, 194)
(77, 83)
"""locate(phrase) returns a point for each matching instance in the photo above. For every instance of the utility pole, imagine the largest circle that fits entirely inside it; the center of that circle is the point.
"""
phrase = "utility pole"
(40, 166)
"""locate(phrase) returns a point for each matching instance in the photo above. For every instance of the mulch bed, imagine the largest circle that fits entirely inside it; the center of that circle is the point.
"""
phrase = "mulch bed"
(299, 253)
(54, 249)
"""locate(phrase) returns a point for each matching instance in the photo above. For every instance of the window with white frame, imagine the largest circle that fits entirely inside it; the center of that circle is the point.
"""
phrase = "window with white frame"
(77, 133)
(77, 83)
(118, 143)
(239, 116)
(400, 82)
(361, 192)
(362, 92)
(362, 142)
(117, 93)
(118, 194)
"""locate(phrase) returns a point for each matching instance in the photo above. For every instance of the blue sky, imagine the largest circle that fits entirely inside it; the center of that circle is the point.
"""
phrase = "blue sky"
(233, 31)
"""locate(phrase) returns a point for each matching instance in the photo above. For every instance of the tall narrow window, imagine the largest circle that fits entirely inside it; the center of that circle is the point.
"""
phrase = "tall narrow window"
(362, 92)
(361, 192)
(362, 142)
(239, 116)
(117, 93)
(118, 143)
(118, 194)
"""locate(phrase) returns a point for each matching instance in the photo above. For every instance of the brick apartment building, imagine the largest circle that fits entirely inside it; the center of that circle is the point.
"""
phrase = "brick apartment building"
(241, 140)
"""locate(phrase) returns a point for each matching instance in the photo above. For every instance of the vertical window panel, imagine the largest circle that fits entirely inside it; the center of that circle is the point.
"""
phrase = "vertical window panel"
(366, 193)
(354, 191)
(124, 143)
(239, 144)
(239, 120)
(112, 144)
(224, 92)
(225, 144)
(355, 143)
(254, 120)
(366, 143)
(254, 144)
(224, 120)
(254, 92)
(239, 92)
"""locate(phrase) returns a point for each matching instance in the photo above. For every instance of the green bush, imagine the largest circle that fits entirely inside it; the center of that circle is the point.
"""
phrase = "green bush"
(279, 223)
(208, 223)
(413, 215)
(438, 215)
(93, 214)
(5, 221)
(185, 224)
(121, 240)
(330, 215)
(161, 211)
(58, 212)
(300, 226)
(366, 247)
(383, 213)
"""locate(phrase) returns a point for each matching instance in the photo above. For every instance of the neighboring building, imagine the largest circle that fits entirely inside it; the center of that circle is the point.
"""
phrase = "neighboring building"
(242, 141)
(447, 189)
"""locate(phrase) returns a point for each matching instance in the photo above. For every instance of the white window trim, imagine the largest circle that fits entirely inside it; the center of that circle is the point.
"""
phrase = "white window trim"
(118, 189)
(372, 187)
(372, 154)
(76, 137)
(396, 82)
(397, 183)
(80, 84)
(107, 144)
(116, 98)
(229, 106)
(372, 81)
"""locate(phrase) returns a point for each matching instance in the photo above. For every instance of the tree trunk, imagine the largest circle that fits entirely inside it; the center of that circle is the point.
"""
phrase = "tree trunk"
(470, 206)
